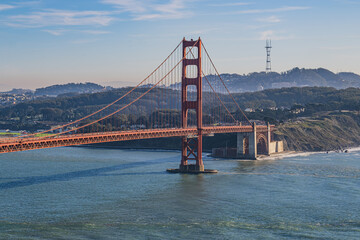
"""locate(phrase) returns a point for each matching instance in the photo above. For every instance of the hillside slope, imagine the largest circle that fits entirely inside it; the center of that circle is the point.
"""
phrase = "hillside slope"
(324, 133)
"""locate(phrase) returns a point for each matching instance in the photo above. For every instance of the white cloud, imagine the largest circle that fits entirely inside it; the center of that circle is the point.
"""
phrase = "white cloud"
(6, 7)
(282, 9)
(95, 32)
(148, 17)
(59, 32)
(27, 3)
(229, 4)
(53, 17)
(172, 7)
(147, 10)
(269, 34)
(84, 41)
(55, 32)
(266, 35)
(133, 6)
(271, 19)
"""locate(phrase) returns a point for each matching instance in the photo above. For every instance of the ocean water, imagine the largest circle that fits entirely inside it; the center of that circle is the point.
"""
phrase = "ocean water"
(89, 193)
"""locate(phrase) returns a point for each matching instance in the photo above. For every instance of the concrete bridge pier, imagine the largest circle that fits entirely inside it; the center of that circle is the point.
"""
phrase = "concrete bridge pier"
(258, 142)
(246, 144)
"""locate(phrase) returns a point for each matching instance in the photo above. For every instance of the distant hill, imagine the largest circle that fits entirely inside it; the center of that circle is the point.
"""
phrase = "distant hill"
(62, 109)
(69, 89)
(350, 77)
(293, 78)
(236, 83)
(19, 91)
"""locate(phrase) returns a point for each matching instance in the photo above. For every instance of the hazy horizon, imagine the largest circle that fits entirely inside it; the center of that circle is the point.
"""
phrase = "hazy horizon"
(119, 84)
(44, 43)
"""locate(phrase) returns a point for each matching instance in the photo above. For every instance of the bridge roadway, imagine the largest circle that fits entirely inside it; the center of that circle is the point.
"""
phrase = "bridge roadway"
(23, 144)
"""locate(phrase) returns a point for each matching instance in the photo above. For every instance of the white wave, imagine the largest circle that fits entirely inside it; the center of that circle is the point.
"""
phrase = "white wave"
(354, 149)
(289, 155)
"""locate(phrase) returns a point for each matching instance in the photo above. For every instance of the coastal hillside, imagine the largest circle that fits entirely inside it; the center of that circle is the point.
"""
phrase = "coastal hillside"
(332, 131)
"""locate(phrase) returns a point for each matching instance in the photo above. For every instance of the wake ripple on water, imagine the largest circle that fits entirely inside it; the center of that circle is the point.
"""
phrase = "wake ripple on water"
(215, 229)
(292, 174)
(128, 195)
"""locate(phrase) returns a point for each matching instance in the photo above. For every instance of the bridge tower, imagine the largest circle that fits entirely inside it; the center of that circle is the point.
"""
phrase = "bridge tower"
(191, 146)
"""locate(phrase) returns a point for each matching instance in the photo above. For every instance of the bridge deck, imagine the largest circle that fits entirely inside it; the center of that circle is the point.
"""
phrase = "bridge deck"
(23, 144)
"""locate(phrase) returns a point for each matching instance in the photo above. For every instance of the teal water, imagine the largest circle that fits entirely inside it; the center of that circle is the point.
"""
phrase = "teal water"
(84, 193)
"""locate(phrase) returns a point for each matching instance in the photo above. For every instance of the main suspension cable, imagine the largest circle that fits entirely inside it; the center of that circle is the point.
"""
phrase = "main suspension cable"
(107, 106)
(129, 104)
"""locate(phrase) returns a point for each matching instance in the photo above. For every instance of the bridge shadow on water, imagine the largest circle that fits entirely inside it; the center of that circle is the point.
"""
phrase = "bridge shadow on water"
(96, 172)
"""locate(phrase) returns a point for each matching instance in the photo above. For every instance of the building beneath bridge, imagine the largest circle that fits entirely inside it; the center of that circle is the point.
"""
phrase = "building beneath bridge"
(251, 145)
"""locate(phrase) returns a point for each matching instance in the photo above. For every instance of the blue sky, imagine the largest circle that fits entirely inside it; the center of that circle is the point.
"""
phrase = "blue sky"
(45, 42)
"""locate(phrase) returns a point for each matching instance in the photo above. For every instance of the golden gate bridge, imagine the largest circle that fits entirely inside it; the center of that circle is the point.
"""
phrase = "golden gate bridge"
(173, 97)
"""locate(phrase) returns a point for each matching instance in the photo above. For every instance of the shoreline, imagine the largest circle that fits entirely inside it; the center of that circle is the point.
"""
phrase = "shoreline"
(301, 153)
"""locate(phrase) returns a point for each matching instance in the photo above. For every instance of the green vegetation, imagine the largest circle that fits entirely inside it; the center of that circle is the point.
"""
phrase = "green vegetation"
(308, 118)
(9, 134)
(285, 100)
(330, 131)
(43, 134)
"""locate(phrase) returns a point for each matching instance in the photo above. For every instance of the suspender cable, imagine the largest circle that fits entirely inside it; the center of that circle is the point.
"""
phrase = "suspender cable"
(215, 92)
(100, 110)
(225, 85)
(129, 104)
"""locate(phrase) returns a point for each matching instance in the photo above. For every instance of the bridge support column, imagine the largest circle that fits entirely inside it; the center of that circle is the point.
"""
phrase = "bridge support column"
(191, 150)
(247, 145)
(253, 143)
(191, 146)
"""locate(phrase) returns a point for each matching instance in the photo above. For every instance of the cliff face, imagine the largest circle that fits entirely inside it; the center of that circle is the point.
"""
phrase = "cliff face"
(323, 133)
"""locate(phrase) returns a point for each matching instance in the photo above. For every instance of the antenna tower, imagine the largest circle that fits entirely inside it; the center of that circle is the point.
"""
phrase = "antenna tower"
(268, 59)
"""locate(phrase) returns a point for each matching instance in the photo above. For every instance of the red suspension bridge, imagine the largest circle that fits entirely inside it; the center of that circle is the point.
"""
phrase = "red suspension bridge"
(172, 101)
